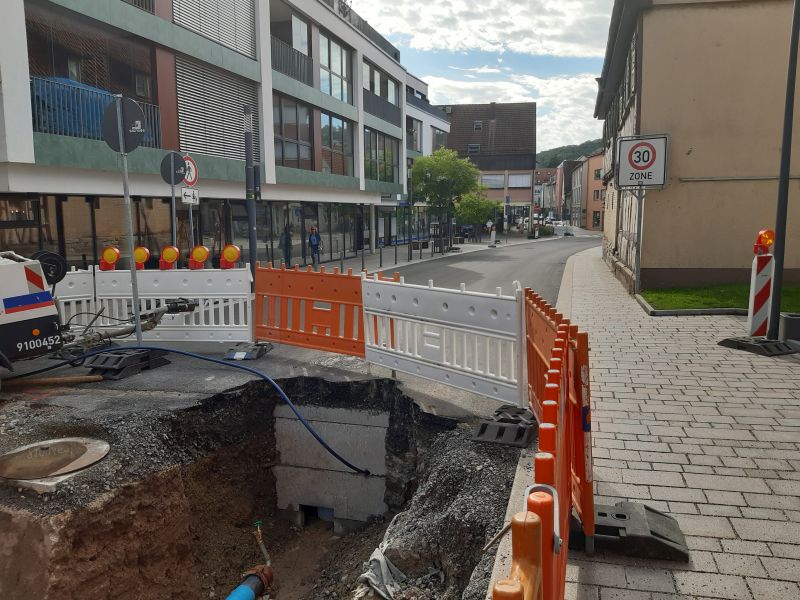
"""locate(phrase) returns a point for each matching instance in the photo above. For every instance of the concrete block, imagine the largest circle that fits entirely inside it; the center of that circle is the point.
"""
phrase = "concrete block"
(351, 496)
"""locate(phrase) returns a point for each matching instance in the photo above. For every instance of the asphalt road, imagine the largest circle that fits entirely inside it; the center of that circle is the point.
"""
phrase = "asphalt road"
(538, 265)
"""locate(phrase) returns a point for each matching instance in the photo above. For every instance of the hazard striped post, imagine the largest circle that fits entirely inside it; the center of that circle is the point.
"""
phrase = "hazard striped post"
(761, 285)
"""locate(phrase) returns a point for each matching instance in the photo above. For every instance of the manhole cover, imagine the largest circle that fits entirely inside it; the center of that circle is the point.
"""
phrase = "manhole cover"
(51, 457)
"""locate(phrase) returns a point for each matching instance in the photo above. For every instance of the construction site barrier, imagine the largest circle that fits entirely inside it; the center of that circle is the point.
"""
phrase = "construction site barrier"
(468, 340)
(311, 309)
(541, 326)
(223, 297)
(525, 579)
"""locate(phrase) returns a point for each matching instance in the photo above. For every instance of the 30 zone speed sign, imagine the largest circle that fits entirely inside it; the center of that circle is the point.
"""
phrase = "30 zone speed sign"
(642, 161)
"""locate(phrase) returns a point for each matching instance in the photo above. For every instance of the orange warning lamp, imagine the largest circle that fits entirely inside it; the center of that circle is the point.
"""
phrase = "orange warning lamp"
(140, 256)
(198, 256)
(108, 258)
(765, 239)
(169, 256)
(230, 256)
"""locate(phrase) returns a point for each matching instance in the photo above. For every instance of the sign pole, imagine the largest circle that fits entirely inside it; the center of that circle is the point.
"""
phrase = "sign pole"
(250, 191)
(128, 221)
(639, 194)
(172, 206)
(779, 248)
(191, 228)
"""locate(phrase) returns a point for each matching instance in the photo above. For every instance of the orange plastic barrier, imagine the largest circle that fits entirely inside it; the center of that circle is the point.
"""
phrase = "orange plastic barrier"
(541, 326)
(318, 310)
(526, 576)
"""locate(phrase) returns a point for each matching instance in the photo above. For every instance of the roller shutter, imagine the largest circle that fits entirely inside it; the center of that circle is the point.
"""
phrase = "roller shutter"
(211, 110)
(231, 23)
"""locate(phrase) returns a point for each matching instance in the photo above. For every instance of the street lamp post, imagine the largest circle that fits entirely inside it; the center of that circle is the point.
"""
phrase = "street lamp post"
(779, 249)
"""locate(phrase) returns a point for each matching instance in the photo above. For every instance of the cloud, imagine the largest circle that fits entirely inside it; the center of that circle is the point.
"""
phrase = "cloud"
(537, 27)
(479, 70)
(565, 104)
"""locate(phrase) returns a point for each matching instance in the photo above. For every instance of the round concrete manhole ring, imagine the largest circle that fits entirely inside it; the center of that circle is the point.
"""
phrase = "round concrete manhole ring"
(51, 458)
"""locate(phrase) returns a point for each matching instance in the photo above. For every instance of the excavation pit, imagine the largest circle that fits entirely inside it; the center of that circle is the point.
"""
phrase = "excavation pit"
(169, 512)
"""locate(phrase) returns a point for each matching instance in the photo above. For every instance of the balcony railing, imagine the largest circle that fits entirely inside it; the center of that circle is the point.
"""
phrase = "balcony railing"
(426, 106)
(291, 62)
(146, 5)
(383, 109)
(65, 107)
(352, 17)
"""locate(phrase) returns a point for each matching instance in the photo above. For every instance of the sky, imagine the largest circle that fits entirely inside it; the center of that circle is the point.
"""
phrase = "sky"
(547, 51)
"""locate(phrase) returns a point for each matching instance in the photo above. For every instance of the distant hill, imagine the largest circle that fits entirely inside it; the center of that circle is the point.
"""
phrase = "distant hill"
(554, 156)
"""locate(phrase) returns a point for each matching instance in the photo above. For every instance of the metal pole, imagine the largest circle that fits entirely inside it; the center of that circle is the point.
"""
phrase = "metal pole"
(172, 205)
(128, 222)
(250, 188)
(419, 230)
(639, 193)
(779, 249)
(361, 226)
(396, 230)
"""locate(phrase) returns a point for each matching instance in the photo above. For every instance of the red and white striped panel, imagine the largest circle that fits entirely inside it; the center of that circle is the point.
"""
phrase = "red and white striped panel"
(760, 295)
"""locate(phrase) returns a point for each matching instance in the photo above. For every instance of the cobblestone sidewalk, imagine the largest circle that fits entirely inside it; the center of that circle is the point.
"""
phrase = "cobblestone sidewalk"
(708, 434)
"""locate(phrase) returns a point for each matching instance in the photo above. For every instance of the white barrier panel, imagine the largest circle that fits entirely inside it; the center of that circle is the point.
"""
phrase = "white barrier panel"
(469, 340)
(223, 296)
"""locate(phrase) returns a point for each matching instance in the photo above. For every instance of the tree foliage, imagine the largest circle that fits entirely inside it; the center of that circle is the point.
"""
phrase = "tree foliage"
(555, 156)
(474, 208)
(443, 177)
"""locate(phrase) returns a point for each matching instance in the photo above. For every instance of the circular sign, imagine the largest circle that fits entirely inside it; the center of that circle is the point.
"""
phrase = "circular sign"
(132, 126)
(191, 175)
(173, 168)
(642, 156)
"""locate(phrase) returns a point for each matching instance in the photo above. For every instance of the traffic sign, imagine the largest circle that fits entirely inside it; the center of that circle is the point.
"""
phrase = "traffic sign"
(132, 125)
(190, 196)
(190, 178)
(173, 168)
(642, 161)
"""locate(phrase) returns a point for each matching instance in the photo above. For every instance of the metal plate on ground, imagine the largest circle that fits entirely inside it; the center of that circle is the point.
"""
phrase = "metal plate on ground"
(119, 364)
(634, 529)
(51, 458)
(759, 345)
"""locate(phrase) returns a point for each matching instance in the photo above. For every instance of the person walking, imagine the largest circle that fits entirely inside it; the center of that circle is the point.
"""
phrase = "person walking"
(315, 246)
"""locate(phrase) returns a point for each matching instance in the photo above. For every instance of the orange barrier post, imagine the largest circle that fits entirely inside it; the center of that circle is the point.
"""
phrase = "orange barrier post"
(542, 504)
(318, 310)
(526, 577)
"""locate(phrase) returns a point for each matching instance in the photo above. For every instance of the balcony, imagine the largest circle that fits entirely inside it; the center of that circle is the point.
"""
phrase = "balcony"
(64, 107)
(426, 106)
(352, 17)
(145, 5)
(383, 109)
(291, 62)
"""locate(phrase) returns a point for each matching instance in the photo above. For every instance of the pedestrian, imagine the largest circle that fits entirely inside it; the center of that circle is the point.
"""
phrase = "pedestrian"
(286, 245)
(314, 246)
(493, 237)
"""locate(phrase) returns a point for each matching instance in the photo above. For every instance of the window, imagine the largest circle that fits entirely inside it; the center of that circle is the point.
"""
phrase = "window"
(74, 68)
(596, 218)
(380, 84)
(413, 134)
(335, 69)
(494, 182)
(519, 180)
(597, 174)
(142, 83)
(292, 123)
(477, 125)
(299, 35)
(438, 138)
(596, 195)
(381, 156)
(473, 148)
(337, 145)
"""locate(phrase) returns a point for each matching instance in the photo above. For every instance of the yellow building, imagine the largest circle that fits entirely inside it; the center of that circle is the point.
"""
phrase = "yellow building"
(712, 75)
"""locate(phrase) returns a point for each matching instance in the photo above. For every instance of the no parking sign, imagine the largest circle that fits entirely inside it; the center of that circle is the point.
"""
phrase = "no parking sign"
(642, 161)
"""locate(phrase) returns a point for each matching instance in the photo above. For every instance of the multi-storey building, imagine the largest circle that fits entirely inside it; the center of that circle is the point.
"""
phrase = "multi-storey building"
(500, 139)
(329, 98)
(677, 67)
(541, 176)
(588, 192)
(563, 200)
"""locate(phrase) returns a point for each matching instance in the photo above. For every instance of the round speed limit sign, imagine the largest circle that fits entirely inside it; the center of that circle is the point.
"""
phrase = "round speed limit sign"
(642, 161)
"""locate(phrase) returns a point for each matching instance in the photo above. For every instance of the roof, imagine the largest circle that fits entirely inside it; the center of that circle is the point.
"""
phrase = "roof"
(506, 129)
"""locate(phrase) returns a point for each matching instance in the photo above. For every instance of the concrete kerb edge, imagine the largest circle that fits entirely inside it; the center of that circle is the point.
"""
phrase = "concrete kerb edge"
(524, 475)
(687, 312)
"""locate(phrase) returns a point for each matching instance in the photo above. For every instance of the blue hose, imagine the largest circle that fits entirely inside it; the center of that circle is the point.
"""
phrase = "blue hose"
(250, 370)
(242, 592)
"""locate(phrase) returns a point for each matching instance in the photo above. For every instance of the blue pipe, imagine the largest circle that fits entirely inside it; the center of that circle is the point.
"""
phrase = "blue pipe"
(250, 589)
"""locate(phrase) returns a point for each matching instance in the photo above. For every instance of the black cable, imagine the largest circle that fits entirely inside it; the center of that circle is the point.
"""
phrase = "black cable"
(95, 315)
(231, 365)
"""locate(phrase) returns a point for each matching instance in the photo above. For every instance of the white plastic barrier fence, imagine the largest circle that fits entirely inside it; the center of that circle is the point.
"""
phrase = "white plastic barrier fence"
(468, 340)
(224, 300)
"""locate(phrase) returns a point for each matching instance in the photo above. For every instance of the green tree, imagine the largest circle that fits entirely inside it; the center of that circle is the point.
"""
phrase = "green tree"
(442, 178)
(475, 208)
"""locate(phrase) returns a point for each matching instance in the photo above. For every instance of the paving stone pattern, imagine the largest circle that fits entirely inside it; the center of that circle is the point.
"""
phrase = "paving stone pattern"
(707, 434)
